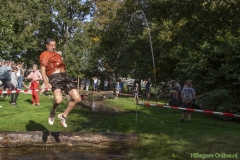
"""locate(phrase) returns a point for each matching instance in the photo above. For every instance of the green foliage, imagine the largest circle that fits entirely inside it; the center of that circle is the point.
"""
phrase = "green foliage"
(219, 100)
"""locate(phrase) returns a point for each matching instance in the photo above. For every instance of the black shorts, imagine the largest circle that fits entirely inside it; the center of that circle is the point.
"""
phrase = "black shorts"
(6, 83)
(147, 90)
(61, 81)
(187, 105)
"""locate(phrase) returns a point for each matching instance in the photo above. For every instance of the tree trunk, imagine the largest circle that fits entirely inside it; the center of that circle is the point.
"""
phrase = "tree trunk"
(140, 84)
(46, 138)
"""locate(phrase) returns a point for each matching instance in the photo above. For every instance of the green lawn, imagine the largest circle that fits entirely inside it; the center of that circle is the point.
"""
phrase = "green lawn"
(161, 135)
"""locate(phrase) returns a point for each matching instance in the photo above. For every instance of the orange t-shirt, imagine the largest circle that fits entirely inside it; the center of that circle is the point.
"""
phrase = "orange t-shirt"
(52, 61)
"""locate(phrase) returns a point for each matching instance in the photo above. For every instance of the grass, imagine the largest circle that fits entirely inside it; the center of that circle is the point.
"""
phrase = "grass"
(161, 135)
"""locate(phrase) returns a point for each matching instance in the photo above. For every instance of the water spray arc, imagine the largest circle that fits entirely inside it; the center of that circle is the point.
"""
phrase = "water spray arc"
(153, 60)
(149, 35)
(150, 39)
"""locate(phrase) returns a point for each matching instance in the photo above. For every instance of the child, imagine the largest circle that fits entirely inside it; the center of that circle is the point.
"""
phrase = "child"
(148, 88)
(105, 85)
(188, 94)
(118, 88)
(176, 88)
(136, 92)
(13, 85)
(98, 83)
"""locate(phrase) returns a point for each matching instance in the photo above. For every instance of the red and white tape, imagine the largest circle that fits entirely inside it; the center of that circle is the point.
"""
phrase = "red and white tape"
(22, 91)
(190, 109)
(27, 90)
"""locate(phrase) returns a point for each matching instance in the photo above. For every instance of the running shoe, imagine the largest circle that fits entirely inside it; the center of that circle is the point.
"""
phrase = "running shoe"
(63, 120)
(51, 119)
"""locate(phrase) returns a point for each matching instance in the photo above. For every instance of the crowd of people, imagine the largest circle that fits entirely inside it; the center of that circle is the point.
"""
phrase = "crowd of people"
(115, 85)
(181, 96)
(107, 85)
(12, 76)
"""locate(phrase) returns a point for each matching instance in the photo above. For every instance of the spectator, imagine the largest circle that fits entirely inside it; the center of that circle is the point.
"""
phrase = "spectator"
(117, 88)
(10, 63)
(13, 84)
(35, 76)
(105, 85)
(177, 88)
(185, 85)
(87, 83)
(111, 84)
(98, 83)
(95, 83)
(188, 94)
(83, 81)
(5, 75)
(176, 85)
(148, 88)
(136, 92)
(20, 75)
(135, 81)
(121, 85)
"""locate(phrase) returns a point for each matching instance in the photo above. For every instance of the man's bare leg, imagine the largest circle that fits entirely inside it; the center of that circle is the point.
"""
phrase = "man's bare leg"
(76, 98)
(57, 100)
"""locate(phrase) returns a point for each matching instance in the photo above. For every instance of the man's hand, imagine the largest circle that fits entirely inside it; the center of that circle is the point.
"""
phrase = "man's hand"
(48, 85)
(188, 101)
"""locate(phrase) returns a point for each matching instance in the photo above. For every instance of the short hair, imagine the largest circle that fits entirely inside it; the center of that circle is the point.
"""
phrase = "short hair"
(15, 68)
(13, 65)
(50, 40)
(34, 65)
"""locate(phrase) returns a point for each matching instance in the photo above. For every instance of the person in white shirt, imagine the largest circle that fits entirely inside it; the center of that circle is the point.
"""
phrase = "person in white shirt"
(105, 85)
(95, 83)
(188, 94)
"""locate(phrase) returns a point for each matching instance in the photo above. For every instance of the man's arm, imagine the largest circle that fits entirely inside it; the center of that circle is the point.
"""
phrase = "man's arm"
(44, 77)
(194, 96)
(182, 96)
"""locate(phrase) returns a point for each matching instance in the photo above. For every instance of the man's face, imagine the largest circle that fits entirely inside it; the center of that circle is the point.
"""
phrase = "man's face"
(189, 83)
(51, 46)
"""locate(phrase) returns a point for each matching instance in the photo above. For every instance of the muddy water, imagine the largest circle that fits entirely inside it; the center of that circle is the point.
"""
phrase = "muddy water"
(97, 106)
(61, 154)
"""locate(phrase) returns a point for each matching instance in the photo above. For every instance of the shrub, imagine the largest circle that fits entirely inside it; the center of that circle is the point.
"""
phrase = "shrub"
(220, 100)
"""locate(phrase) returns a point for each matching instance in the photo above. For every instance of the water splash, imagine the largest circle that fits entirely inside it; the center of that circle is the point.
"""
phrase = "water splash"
(149, 35)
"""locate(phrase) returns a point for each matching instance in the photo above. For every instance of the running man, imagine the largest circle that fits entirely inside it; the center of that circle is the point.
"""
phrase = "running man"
(54, 69)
